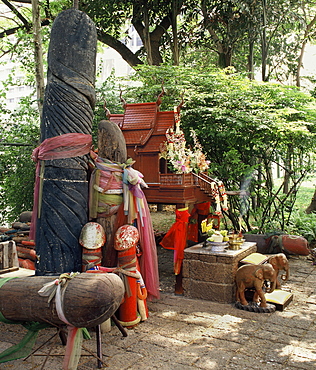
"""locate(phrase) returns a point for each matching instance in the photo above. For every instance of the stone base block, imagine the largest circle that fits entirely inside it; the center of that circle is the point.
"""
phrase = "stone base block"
(221, 293)
(211, 275)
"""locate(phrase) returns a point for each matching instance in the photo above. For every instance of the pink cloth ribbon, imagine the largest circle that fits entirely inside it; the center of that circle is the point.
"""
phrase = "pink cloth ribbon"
(58, 147)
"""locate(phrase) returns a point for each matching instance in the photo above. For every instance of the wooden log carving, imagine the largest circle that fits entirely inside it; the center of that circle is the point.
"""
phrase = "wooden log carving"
(111, 142)
(112, 146)
(68, 108)
(88, 299)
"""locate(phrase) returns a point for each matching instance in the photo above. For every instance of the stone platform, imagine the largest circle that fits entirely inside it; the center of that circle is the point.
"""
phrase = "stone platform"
(211, 275)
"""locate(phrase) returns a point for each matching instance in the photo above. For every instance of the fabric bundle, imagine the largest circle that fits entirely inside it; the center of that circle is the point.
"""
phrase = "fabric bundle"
(113, 184)
(58, 147)
(176, 238)
(106, 188)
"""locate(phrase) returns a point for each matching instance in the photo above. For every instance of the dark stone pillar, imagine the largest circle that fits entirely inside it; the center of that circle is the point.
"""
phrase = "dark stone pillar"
(68, 108)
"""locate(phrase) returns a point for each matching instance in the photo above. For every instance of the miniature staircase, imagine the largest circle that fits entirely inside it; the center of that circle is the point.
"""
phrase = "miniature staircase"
(205, 183)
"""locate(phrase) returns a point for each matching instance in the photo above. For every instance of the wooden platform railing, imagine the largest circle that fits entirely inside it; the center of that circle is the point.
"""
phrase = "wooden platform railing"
(174, 179)
(201, 180)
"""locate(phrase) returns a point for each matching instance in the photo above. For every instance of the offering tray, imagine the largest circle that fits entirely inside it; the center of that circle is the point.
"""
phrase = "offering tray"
(216, 246)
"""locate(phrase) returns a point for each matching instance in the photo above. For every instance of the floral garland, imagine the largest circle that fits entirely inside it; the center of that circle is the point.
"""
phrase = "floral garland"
(198, 161)
(180, 158)
(219, 193)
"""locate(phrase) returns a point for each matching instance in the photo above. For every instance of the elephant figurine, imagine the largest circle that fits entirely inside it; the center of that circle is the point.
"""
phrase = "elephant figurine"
(254, 276)
(280, 262)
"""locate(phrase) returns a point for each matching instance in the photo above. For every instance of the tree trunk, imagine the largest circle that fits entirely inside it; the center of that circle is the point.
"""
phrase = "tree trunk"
(228, 57)
(150, 39)
(88, 299)
(38, 55)
(250, 61)
(223, 50)
(175, 44)
(130, 58)
(146, 36)
(264, 44)
(312, 207)
(300, 63)
(288, 169)
(300, 59)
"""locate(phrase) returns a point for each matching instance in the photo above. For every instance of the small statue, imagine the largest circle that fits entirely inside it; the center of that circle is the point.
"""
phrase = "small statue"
(280, 262)
(254, 276)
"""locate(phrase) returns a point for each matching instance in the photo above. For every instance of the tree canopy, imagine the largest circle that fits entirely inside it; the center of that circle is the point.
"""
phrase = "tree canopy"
(267, 34)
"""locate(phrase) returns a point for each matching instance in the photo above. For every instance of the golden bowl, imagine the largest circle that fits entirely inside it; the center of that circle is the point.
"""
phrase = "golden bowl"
(235, 242)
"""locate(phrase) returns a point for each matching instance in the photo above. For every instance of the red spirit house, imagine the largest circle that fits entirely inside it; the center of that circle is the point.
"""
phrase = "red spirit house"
(144, 127)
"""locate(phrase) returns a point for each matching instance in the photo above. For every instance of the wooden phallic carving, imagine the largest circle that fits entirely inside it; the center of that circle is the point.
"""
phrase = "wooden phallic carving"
(111, 145)
(68, 108)
(87, 299)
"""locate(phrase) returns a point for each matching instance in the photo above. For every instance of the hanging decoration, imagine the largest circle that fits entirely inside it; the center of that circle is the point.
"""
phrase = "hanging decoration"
(179, 157)
(113, 184)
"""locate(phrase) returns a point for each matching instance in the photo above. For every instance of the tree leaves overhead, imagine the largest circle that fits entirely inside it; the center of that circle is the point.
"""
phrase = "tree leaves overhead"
(151, 20)
(247, 34)
(243, 126)
(110, 16)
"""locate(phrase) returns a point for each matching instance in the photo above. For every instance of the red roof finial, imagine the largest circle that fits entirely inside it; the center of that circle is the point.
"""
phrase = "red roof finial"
(122, 100)
(107, 111)
(159, 100)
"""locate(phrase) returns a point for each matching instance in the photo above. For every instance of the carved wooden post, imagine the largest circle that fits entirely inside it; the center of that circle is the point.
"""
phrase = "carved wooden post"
(68, 108)
(112, 146)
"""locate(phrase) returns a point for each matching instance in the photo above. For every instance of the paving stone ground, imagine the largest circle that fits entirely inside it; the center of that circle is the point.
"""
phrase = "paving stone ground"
(183, 333)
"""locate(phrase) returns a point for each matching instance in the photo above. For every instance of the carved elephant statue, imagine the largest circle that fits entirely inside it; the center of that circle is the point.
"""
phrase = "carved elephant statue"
(254, 276)
(280, 263)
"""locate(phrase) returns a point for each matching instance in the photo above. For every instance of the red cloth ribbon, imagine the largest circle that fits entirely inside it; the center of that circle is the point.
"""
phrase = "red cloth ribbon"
(58, 147)
(193, 228)
(176, 238)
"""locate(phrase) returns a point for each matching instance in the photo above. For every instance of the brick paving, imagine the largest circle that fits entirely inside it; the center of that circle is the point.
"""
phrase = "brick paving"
(183, 333)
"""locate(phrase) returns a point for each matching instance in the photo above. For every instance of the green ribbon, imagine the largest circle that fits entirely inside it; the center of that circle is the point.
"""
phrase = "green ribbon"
(24, 348)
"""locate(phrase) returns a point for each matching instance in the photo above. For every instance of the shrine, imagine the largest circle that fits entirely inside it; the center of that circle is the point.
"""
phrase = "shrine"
(175, 174)
(144, 127)
(78, 190)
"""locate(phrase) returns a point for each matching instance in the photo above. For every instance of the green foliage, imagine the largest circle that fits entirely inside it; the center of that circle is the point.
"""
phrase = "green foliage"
(19, 136)
(244, 128)
(107, 95)
(303, 224)
(109, 15)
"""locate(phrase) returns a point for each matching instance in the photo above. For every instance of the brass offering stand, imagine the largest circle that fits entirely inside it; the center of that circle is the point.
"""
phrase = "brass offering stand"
(235, 241)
